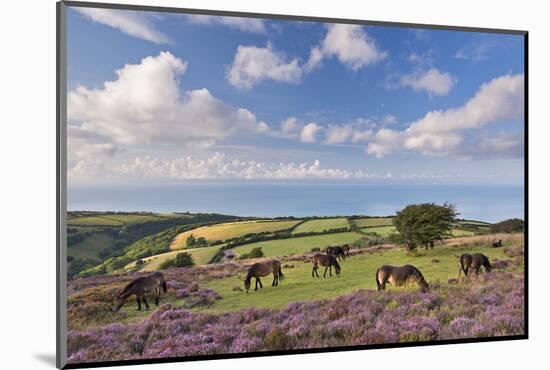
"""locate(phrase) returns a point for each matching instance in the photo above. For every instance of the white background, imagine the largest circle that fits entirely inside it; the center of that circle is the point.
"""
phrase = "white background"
(27, 242)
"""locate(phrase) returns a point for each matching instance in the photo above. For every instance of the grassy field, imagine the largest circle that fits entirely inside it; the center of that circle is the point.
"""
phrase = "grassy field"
(321, 225)
(286, 247)
(459, 232)
(93, 221)
(358, 272)
(201, 256)
(231, 230)
(382, 230)
(118, 219)
(373, 221)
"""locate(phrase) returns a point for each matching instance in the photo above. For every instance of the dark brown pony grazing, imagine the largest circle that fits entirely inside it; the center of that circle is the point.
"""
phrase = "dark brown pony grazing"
(399, 276)
(264, 268)
(141, 286)
(336, 251)
(497, 243)
(346, 249)
(326, 260)
(474, 262)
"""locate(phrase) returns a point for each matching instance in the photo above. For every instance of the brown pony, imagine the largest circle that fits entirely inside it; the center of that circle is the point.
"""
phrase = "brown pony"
(474, 262)
(141, 286)
(497, 243)
(399, 276)
(326, 260)
(346, 249)
(264, 268)
(336, 251)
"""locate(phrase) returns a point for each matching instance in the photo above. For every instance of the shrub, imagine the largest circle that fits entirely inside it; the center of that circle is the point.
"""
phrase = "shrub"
(182, 259)
(254, 253)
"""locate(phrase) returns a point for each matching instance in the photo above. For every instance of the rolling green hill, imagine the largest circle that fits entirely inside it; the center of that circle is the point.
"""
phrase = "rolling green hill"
(93, 238)
(232, 230)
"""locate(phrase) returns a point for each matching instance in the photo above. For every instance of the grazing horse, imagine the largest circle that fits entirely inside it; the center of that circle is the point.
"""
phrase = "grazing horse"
(141, 286)
(474, 262)
(264, 268)
(346, 249)
(336, 251)
(326, 260)
(497, 243)
(399, 276)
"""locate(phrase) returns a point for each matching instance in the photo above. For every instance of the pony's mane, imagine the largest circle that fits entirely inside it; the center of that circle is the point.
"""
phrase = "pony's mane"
(127, 288)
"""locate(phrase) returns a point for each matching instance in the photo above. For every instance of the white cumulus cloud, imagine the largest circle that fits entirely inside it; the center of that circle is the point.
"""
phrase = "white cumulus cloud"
(309, 133)
(144, 105)
(252, 65)
(219, 166)
(350, 44)
(133, 23)
(442, 132)
(432, 80)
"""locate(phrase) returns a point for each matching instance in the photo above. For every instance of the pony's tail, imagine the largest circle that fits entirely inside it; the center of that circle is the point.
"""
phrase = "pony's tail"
(164, 287)
(281, 276)
(376, 278)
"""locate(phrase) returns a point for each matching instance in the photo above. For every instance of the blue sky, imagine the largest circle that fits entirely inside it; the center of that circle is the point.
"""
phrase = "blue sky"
(210, 98)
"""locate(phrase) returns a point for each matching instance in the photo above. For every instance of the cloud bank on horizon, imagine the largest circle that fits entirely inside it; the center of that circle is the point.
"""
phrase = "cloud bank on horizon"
(191, 97)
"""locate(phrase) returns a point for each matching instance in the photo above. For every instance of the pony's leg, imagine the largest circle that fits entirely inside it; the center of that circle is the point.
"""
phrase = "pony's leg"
(274, 279)
(330, 270)
(256, 287)
(157, 296)
(145, 301)
(261, 286)
(313, 272)
(325, 274)
(139, 303)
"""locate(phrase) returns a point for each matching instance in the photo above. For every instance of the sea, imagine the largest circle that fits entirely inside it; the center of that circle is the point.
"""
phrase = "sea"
(490, 203)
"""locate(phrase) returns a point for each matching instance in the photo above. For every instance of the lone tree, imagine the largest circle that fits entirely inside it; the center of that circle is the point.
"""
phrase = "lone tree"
(191, 241)
(422, 225)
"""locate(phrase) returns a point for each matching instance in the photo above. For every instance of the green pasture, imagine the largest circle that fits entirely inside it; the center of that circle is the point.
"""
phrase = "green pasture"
(373, 221)
(460, 232)
(231, 230)
(358, 272)
(381, 230)
(201, 256)
(287, 247)
(321, 225)
(93, 221)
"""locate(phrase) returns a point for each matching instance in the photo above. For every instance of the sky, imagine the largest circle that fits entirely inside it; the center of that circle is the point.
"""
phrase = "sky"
(170, 98)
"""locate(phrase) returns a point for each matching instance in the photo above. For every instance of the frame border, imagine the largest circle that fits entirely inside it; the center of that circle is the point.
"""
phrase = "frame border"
(61, 186)
(61, 189)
